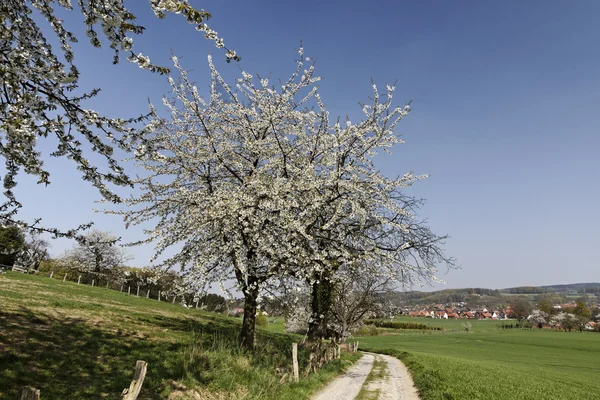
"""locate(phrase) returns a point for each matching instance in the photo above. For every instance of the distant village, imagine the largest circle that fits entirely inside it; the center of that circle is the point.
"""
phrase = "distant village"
(460, 310)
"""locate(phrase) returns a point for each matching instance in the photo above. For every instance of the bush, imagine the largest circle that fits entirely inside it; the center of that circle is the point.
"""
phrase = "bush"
(367, 330)
(47, 266)
(261, 320)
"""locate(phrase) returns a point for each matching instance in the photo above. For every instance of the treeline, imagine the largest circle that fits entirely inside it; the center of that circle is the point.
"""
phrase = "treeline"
(592, 287)
(526, 290)
(446, 296)
(590, 290)
(401, 325)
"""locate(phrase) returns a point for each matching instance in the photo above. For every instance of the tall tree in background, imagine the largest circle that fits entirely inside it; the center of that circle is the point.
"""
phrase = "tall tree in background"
(257, 184)
(12, 243)
(97, 253)
(521, 308)
(546, 303)
(40, 95)
(34, 252)
(581, 308)
(538, 318)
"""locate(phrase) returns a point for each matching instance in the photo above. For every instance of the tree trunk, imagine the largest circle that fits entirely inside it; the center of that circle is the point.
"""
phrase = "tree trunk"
(248, 325)
(321, 295)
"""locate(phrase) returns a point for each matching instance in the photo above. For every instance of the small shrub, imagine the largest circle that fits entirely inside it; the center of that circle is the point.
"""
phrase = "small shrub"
(261, 320)
(367, 330)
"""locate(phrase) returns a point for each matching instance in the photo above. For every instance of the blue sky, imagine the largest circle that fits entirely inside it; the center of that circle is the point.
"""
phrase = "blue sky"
(505, 120)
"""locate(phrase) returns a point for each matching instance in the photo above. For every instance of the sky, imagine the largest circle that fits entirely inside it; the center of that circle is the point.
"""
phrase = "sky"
(505, 99)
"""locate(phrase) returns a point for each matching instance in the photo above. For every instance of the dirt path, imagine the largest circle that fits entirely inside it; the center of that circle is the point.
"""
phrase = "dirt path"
(388, 380)
(347, 386)
(398, 383)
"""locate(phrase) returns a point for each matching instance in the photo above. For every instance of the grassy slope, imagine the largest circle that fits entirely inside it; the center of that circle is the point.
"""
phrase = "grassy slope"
(80, 342)
(491, 364)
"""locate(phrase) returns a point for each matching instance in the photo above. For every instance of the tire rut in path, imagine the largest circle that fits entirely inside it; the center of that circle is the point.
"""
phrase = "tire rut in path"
(347, 386)
(397, 384)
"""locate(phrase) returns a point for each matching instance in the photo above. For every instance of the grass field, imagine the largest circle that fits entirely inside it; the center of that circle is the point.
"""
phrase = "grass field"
(80, 342)
(456, 324)
(495, 364)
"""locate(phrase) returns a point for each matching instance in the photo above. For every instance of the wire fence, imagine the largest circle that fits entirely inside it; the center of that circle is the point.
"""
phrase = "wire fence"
(104, 281)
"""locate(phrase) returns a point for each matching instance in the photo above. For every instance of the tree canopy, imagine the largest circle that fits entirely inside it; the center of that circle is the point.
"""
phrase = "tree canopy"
(521, 308)
(256, 183)
(12, 243)
(40, 96)
(97, 253)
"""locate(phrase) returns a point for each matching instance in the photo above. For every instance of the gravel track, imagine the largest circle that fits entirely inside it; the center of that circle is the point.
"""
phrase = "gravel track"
(396, 385)
(347, 386)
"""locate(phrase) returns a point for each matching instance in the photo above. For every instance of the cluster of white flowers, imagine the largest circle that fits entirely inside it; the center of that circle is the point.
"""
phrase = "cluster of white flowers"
(193, 16)
(538, 317)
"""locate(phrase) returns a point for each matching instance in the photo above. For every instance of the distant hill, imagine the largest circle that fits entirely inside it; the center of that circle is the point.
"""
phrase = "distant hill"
(468, 295)
(487, 297)
(593, 287)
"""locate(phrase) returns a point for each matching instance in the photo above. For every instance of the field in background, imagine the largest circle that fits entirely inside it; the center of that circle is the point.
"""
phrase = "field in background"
(497, 364)
(80, 342)
(456, 324)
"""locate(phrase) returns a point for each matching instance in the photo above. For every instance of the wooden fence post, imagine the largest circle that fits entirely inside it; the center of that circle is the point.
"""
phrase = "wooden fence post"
(29, 393)
(174, 297)
(138, 380)
(339, 352)
(356, 346)
(295, 361)
(159, 295)
(65, 277)
(128, 289)
(121, 288)
(93, 280)
(138, 292)
(79, 280)
(107, 284)
(51, 274)
(197, 303)
(148, 294)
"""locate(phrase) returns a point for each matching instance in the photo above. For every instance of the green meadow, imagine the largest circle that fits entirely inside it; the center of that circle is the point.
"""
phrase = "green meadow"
(456, 324)
(80, 342)
(491, 364)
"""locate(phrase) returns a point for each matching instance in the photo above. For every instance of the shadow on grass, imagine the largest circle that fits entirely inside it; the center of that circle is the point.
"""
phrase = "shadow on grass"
(220, 334)
(68, 359)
